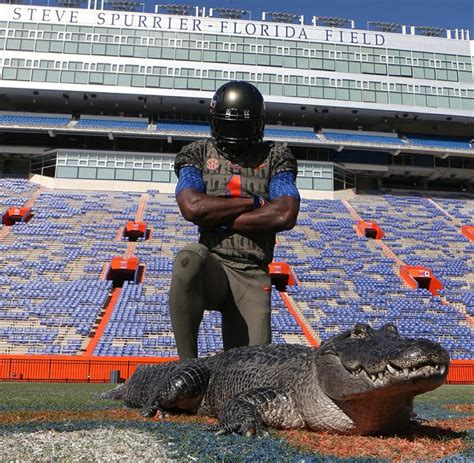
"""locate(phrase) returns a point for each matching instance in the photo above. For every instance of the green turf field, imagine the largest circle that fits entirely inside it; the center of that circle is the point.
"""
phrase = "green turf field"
(64, 422)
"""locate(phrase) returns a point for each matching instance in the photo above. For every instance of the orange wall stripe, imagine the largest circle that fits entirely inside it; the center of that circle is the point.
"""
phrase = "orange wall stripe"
(309, 336)
(63, 368)
(141, 208)
(103, 323)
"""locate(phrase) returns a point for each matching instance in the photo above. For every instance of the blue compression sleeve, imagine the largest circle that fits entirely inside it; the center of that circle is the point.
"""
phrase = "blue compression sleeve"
(190, 177)
(283, 184)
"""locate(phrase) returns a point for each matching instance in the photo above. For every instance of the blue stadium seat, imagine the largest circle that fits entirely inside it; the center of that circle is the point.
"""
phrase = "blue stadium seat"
(33, 121)
(113, 124)
(351, 137)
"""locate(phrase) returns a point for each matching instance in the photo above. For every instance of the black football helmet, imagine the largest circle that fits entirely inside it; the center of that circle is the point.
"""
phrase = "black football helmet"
(237, 118)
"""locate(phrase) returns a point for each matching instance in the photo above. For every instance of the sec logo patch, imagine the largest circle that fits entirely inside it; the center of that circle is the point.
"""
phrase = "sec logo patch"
(212, 164)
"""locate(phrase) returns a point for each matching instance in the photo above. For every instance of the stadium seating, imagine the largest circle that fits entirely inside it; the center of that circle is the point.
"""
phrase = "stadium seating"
(14, 120)
(285, 133)
(53, 294)
(431, 141)
(203, 129)
(183, 128)
(351, 137)
(112, 124)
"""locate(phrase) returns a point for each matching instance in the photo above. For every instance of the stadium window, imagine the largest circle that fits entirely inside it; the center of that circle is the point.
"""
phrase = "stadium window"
(335, 54)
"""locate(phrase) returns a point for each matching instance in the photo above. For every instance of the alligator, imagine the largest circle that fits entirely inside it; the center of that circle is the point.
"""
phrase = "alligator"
(361, 381)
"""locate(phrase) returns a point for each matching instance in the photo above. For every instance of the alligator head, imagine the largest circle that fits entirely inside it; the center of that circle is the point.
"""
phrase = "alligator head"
(372, 375)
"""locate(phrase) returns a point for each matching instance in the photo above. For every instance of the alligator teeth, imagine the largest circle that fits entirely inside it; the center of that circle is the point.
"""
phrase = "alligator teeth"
(443, 369)
(391, 369)
(436, 367)
(373, 377)
(380, 375)
(405, 372)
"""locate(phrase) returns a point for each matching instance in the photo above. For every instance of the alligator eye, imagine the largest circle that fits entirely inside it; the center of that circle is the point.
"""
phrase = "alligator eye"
(360, 331)
(391, 328)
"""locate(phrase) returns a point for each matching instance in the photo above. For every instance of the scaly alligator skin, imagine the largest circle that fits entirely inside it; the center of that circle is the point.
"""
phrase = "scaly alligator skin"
(362, 381)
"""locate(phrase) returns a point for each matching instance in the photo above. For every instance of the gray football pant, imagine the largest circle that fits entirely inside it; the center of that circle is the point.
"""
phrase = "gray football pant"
(202, 281)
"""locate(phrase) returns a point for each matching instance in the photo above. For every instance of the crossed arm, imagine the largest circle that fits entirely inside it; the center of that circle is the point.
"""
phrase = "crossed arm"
(238, 213)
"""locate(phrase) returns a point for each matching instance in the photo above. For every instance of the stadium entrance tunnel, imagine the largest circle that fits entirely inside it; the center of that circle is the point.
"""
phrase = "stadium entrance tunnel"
(421, 277)
(281, 275)
(123, 269)
(17, 214)
(468, 232)
(369, 230)
(134, 231)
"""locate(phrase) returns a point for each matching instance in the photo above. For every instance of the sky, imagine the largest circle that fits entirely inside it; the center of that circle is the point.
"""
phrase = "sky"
(448, 14)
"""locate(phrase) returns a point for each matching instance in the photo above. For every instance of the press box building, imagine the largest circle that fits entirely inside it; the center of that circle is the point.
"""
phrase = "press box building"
(109, 94)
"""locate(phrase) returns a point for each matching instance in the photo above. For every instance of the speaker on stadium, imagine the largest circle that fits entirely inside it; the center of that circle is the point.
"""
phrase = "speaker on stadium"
(237, 117)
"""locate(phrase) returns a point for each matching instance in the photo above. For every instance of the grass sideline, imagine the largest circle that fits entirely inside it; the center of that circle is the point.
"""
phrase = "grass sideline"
(64, 422)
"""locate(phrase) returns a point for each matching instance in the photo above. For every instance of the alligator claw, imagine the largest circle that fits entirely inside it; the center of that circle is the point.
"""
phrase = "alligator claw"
(151, 411)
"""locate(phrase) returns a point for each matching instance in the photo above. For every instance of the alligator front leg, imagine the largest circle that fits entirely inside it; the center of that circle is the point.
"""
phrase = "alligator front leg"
(251, 412)
(182, 391)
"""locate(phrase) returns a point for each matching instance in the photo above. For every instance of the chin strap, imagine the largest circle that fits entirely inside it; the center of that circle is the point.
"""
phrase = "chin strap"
(233, 151)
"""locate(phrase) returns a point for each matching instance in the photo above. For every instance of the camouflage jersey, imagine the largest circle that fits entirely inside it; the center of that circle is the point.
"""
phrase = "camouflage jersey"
(224, 178)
